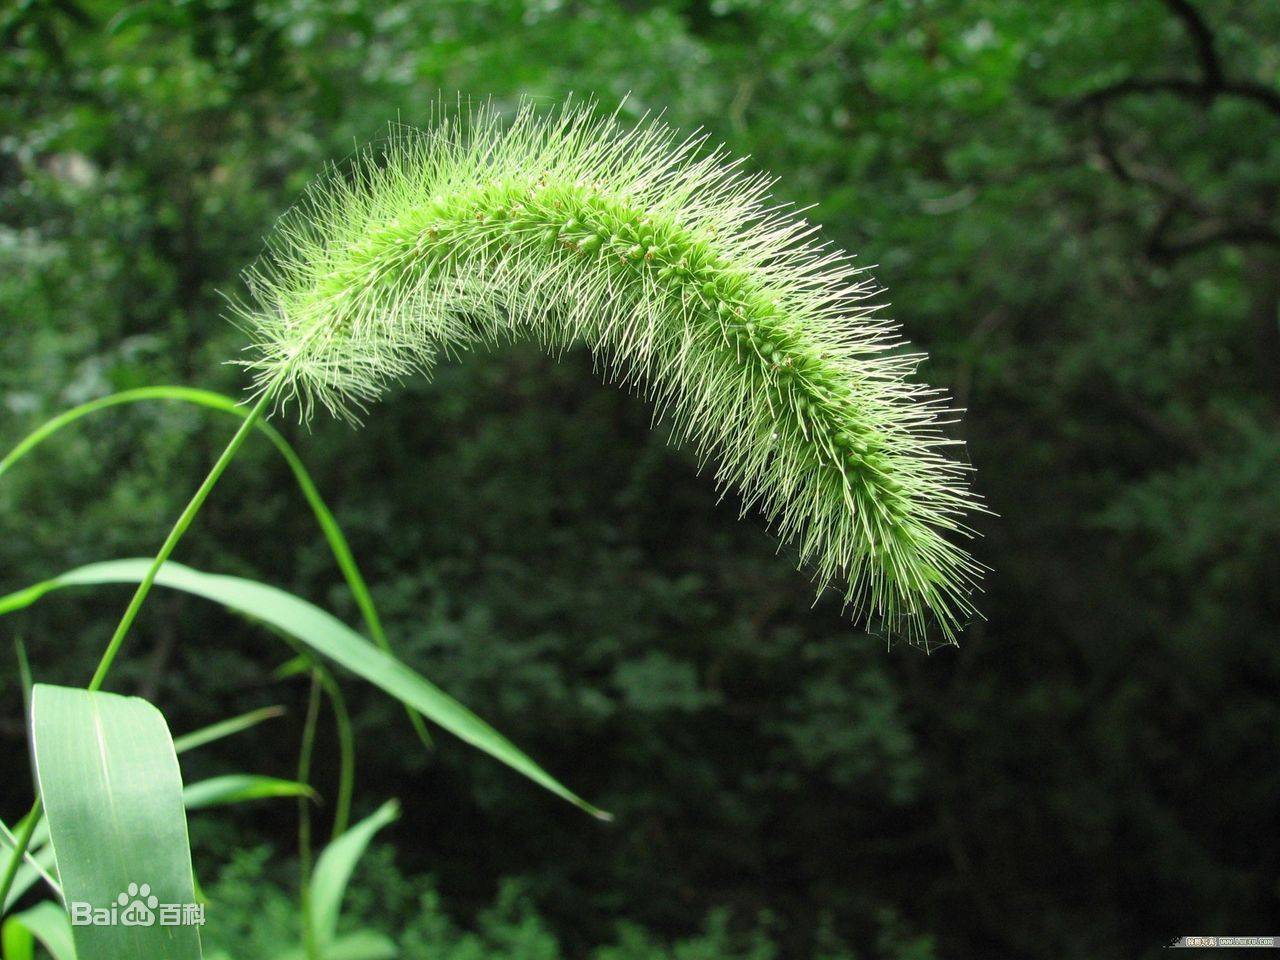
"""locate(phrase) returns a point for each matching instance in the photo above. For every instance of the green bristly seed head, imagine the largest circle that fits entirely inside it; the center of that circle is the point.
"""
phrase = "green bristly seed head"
(757, 343)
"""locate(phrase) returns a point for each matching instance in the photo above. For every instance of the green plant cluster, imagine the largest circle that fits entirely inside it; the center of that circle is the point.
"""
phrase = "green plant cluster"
(257, 919)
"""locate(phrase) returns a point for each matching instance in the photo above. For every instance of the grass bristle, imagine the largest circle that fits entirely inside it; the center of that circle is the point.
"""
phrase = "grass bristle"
(761, 346)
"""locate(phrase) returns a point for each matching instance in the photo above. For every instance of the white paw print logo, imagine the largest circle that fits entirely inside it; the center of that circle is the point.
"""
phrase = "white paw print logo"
(139, 906)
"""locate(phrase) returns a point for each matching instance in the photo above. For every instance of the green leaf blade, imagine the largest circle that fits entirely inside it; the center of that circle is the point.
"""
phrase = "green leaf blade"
(334, 868)
(225, 728)
(45, 922)
(237, 788)
(327, 636)
(108, 775)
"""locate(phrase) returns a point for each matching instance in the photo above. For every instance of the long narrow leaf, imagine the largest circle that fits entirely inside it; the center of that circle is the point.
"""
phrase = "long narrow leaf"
(112, 792)
(225, 728)
(29, 875)
(362, 945)
(323, 633)
(240, 788)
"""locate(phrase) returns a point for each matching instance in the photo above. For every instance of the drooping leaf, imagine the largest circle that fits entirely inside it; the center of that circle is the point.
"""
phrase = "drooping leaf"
(323, 633)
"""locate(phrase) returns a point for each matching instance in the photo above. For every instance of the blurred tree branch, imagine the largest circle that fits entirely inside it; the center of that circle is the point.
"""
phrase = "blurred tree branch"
(1213, 227)
(1201, 36)
(1212, 83)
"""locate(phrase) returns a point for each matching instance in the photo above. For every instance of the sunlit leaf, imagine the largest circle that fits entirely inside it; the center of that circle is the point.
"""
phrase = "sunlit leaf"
(108, 776)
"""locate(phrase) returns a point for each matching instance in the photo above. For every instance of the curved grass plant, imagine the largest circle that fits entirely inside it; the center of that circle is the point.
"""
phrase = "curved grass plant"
(761, 346)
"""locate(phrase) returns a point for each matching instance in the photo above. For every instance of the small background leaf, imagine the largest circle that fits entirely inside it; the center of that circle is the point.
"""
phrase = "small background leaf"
(45, 922)
(333, 871)
(239, 788)
(225, 728)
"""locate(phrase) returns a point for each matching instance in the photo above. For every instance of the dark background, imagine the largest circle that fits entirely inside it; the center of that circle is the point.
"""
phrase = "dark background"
(1073, 205)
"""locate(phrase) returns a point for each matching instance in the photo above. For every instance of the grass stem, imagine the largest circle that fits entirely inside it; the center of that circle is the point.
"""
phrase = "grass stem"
(304, 817)
(223, 404)
(180, 527)
(21, 842)
(184, 521)
(12, 841)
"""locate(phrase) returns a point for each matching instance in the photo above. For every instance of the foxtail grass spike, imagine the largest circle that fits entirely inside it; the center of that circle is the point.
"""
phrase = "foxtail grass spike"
(760, 345)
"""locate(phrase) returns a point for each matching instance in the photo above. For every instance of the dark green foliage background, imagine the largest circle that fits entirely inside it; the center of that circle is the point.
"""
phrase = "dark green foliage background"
(1097, 280)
